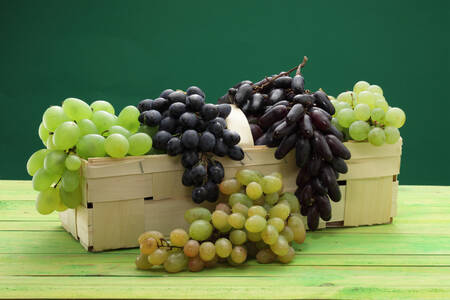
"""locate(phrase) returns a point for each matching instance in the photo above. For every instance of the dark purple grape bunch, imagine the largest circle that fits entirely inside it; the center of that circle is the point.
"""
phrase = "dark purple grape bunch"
(189, 127)
(283, 114)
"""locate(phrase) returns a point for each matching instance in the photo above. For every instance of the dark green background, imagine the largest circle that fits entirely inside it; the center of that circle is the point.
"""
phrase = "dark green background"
(125, 51)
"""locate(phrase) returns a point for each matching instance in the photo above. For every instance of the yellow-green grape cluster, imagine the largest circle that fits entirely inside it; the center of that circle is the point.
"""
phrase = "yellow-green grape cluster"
(75, 131)
(364, 114)
(258, 221)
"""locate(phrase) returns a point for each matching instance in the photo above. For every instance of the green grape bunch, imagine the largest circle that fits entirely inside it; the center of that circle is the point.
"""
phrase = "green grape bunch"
(258, 221)
(364, 115)
(76, 131)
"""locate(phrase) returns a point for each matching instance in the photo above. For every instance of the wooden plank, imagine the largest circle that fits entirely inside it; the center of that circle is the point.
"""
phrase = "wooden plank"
(394, 199)
(84, 225)
(31, 226)
(23, 210)
(309, 282)
(365, 150)
(117, 224)
(17, 190)
(371, 168)
(168, 185)
(69, 221)
(368, 201)
(120, 188)
(122, 264)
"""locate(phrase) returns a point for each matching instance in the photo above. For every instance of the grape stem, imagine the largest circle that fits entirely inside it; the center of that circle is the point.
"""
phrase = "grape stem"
(268, 81)
(300, 66)
(57, 183)
(165, 244)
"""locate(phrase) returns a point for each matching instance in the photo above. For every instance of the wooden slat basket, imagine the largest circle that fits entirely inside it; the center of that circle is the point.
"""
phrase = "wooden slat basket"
(124, 197)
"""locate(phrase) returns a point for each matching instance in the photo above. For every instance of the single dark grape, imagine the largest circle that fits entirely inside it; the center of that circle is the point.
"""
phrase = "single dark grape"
(207, 142)
(188, 120)
(141, 117)
(190, 139)
(168, 124)
(236, 153)
(195, 90)
(177, 109)
(201, 125)
(198, 174)
(145, 105)
(160, 104)
(231, 137)
(209, 112)
(189, 158)
(220, 120)
(174, 146)
(224, 110)
(165, 94)
(152, 117)
(212, 191)
(177, 96)
(221, 149)
(186, 180)
(161, 139)
(216, 172)
(216, 128)
(199, 194)
(195, 102)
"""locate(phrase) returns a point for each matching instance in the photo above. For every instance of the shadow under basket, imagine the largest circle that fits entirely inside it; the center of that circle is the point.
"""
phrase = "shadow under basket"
(124, 197)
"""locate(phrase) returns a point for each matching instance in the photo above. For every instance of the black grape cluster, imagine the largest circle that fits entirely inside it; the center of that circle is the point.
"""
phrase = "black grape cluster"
(283, 114)
(188, 126)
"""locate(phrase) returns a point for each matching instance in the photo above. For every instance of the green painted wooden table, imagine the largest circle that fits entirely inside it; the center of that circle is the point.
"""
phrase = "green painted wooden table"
(405, 260)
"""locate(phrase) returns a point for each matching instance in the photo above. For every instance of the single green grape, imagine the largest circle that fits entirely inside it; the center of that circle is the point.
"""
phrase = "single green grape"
(245, 176)
(176, 262)
(220, 219)
(368, 98)
(257, 210)
(288, 257)
(360, 86)
(54, 162)
(240, 208)
(200, 230)
(103, 120)
(395, 117)
(47, 201)
(76, 109)
(271, 184)
(362, 112)
(91, 145)
(197, 213)
(239, 198)
(43, 133)
(118, 129)
(269, 235)
(278, 223)
(377, 115)
(142, 262)
(346, 117)
(72, 162)
(71, 199)
(53, 117)
(116, 145)
(381, 103)
(87, 127)
(359, 130)
(238, 255)
(158, 257)
(66, 135)
(254, 190)
(292, 200)
(392, 134)
(70, 180)
(280, 210)
(288, 233)
(223, 247)
(272, 198)
(375, 89)
(128, 118)
(238, 237)
(255, 223)
(101, 105)
(140, 144)
(236, 220)
(43, 179)
(376, 136)
(281, 246)
(36, 161)
(347, 97)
